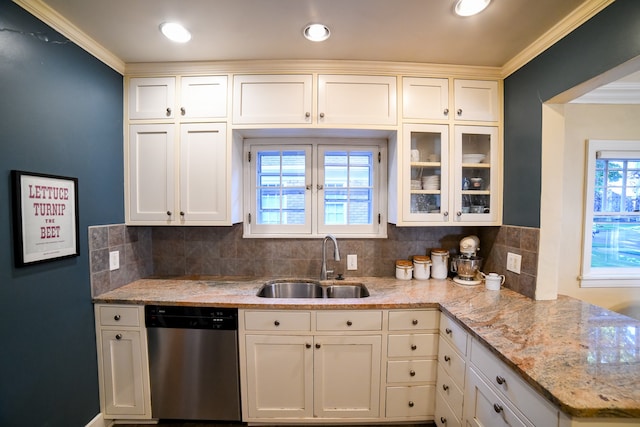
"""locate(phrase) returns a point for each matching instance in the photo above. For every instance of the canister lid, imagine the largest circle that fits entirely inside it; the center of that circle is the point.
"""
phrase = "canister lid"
(439, 251)
(422, 259)
(404, 263)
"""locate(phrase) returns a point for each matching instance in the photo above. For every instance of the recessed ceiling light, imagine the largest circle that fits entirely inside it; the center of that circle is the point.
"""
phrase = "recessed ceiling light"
(175, 32)
(471, 7)
(316, 32)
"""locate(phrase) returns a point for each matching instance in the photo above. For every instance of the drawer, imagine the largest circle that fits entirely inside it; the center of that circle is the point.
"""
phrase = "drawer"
(452, 363)
(407, 320)
(354, 320)
(277, 321)
(411, 401)
(118, 315)
(451, 393)
(454, 333)
(412, 345)
(445, 416)
(510, 386)
(407, 371)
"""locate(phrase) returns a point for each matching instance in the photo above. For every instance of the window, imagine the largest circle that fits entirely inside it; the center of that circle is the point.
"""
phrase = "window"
(313, 187)
(611, 253)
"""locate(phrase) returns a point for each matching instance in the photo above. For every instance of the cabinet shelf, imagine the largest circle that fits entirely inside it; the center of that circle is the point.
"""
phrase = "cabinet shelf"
(477, 192)
(436, 192)
(476, 165)
(425, 164)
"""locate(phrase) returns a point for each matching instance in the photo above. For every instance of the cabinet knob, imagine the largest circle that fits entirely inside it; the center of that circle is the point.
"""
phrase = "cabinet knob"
(307, 114)
(277, 323)
(447, 358)
(322, 115)
(414, 321)
(459, 112)
(412, 373)
(443, 420)
(116, 317)
(445, 387)
(183, 111)
(168, 111)
(181, 213)
(445, 213)
(411, 404)
(448, 331)
(307, 345)
(118, 336)
(459, 213)
(446, 111)
(497, 408)
(500, 380)
(318, 345)
(349, 323)
(168, 213)
(414, 347)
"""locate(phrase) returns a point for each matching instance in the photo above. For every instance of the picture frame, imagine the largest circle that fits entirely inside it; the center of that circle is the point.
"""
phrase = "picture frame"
(45, 217)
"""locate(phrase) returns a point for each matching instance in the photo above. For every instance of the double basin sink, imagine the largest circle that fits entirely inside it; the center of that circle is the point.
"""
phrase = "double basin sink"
(311, 289)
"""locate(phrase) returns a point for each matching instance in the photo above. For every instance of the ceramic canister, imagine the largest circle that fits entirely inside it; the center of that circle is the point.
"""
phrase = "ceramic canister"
(439, 263)
(493, 281)
(421, 267)
(404, 269)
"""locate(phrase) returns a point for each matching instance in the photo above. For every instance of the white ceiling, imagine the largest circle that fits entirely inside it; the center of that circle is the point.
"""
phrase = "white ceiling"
(378, 30)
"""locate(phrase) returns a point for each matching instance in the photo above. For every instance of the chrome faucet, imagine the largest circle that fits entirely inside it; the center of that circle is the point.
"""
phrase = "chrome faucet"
(336, 255)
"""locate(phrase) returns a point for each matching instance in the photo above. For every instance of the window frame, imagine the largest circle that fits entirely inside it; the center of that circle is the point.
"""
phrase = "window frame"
(592, 277)
(315, 228)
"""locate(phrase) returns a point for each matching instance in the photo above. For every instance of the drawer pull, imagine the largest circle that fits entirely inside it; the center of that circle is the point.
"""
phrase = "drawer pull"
(116, 317)
(497, 408)
(307, 345)
(277, 323)
(318, 345)
(412, 373)
(447, 358)
(410, 404)
(183, 111)
(168, 111)
(445, 387)
(443, 420)
(500, 380)
(414, 347)
(349, 323)
(415, 321)
(448, 331)
(118, 337)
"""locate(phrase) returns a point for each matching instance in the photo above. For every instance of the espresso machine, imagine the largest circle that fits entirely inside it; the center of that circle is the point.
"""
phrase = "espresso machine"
(467, 264)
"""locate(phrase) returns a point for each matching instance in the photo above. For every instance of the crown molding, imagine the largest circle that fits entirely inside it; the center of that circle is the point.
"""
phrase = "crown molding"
(61, 24)
(572, 21)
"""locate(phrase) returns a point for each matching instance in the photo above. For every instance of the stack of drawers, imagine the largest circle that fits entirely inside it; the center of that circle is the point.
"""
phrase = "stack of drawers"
(411, 364)
(452, 358)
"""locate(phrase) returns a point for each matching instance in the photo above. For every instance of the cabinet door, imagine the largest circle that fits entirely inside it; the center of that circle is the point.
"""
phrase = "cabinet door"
(151, 173)
(425, 195)
(279, 376)
(477, 180)
(425, 98)
(203, 172)
(347, 376)
(357, 100)
(123, 379)
(476, 100)
(272, 99)
(152, 97)
(203, 97)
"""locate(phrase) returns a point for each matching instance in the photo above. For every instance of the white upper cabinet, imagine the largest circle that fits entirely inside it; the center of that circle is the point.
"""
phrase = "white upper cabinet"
(476, 100)
(357, 100)
(425, 98)
(199, 97)
(272, 99)
(152, 98)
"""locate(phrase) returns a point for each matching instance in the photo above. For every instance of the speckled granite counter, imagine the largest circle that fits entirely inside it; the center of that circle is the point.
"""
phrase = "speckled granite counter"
(583, 358)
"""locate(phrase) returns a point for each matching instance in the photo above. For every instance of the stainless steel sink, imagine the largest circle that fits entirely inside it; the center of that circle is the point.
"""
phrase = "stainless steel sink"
(288, 288)
(291, 289)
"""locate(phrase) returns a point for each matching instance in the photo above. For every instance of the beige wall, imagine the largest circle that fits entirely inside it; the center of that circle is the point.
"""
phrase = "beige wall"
(565, 131)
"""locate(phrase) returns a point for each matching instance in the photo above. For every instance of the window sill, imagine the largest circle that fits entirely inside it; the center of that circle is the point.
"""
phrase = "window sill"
(609, 281)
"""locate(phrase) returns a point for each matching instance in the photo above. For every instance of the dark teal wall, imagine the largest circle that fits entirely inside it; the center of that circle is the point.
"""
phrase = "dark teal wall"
(607, 40)
(60, 113)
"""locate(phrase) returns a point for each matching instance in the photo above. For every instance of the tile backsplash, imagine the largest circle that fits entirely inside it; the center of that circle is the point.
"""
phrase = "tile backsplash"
(221, 251)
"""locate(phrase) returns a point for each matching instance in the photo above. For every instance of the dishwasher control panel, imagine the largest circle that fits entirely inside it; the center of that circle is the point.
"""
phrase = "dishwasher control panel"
(161, 316)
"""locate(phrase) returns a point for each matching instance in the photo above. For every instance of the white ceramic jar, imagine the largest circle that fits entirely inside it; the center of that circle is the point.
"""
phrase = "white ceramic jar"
(493, 281)
(404, 269)
(439, 263)
(421, 267)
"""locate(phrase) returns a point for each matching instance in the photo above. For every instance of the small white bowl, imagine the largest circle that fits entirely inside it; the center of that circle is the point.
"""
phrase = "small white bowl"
(473, 158)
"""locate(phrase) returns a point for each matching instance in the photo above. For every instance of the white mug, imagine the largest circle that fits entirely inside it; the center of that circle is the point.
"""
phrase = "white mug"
(493, 281)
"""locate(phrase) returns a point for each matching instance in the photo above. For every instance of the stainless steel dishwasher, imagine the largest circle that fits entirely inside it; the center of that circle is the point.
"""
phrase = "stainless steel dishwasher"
(193, 362)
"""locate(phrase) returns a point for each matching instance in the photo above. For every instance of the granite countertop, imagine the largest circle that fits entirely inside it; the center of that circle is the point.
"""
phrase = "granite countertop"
(583, 358)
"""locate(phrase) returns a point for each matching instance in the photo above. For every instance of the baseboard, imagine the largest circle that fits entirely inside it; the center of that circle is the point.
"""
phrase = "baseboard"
(99, 421)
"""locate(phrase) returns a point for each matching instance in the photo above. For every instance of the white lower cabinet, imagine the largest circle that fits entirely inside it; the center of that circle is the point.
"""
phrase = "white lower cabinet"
(298, 365)
(123, 370)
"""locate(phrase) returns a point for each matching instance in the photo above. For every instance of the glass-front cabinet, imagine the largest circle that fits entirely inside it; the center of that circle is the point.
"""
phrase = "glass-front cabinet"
(450, 179)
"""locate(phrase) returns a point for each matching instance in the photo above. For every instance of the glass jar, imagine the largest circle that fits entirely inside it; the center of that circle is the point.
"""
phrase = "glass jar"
(404, 269)
(421, 267)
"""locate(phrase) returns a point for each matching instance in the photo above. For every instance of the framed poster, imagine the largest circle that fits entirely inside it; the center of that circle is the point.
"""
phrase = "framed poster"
(45, 217)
